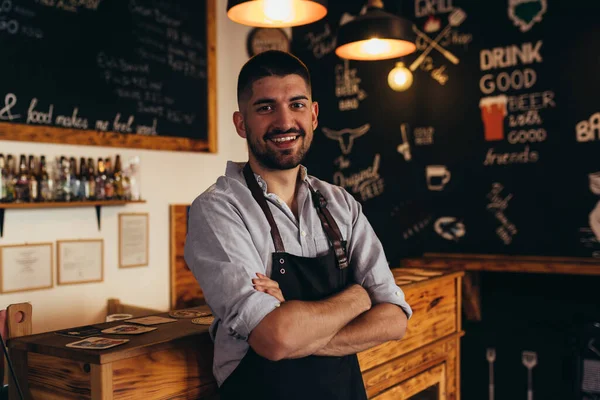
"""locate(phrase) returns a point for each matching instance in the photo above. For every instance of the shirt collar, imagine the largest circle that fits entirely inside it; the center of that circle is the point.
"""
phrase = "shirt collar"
(235, 170)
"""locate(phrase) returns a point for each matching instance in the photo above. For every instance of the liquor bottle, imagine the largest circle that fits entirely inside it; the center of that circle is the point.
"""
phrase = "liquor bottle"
(34, 192)
(46, 181)
(118, 179)
(110, 180)
(65, 172)
(101, 181)
(84, 182)
(74, 178)
(91, 178)
(11, 179)
(132, 179)
(22, 183)
(3, 175)
(60, 179)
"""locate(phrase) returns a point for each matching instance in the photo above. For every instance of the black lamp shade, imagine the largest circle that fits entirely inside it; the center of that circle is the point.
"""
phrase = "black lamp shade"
(251, 13)
(394, 37)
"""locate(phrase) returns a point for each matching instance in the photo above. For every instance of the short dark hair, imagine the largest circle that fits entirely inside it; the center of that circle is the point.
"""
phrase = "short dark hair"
(270, 63)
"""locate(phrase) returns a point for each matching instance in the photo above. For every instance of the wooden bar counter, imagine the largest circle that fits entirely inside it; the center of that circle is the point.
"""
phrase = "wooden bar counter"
(175, 361)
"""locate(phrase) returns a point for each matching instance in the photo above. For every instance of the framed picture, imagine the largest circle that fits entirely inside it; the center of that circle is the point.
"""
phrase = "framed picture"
(26, 267)
(80, 261)
(133, 240)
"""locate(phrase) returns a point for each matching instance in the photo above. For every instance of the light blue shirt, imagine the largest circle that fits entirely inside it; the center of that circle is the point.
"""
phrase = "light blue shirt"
(229, 241)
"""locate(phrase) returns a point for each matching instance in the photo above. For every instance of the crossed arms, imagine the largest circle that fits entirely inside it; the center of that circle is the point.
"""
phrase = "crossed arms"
(345, 323)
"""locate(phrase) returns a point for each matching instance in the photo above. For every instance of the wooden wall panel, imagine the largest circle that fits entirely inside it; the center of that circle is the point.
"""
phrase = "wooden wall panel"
(185, 290)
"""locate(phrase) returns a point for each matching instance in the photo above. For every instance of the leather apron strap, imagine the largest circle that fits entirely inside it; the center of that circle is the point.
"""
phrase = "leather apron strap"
(329, 225)
(258, 195)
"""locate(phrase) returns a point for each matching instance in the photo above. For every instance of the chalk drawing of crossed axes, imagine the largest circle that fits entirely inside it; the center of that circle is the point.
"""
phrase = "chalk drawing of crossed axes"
(455, 18)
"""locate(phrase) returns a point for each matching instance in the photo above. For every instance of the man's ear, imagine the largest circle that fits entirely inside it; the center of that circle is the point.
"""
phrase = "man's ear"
(315, 115)
(240, 125)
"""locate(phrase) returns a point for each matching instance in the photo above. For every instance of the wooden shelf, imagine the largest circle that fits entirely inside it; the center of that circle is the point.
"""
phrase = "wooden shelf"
(68, 204)
(504, 263)
(65, 204)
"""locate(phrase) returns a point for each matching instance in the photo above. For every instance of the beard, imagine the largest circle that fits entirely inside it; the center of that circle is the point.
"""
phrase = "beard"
(278, 159)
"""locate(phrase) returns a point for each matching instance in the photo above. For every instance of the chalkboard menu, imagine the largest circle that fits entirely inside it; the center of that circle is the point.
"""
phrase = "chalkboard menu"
(124, 73)
(494, 149)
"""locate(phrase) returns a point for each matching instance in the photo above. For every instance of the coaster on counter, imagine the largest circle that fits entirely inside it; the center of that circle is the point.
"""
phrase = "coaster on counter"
(152, 320)
(97, 343)
(189, 313)
(80, 332)
(127, 330)
(203, 320)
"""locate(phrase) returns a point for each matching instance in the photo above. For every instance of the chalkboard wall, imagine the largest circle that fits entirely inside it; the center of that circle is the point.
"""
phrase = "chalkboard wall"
(128, 67)
(494, 149)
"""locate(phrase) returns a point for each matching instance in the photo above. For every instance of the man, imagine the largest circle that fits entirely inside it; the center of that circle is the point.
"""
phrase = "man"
(292, 270)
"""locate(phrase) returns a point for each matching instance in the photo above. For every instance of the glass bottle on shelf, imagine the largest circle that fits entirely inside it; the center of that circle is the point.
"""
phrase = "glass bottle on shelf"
(22, 183)
(59, 178)
(11, 179)
(91, 178)
(110, 181)
(133, 181)
(74, 179)
(118, 179)
(3, 175)
(101, 181)
(84, 183)
(46, 181)
(34, 192)
(65, 173)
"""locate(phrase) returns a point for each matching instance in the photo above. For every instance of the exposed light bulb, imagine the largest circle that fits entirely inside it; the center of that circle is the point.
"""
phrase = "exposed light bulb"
(376, 47)
(400, 78)
(279, 11)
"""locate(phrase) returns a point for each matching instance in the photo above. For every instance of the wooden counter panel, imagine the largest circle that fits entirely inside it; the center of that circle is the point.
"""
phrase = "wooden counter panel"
(390, 374)
(413, 386)
(53, 378)
(434, 316)
(184, 372)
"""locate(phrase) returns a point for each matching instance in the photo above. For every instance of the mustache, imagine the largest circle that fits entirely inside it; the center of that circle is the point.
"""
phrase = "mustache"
(276, 132)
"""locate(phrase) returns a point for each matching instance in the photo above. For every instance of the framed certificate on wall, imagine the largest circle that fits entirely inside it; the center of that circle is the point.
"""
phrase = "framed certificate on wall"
(26, 267)
(133, 240)
(80, 261)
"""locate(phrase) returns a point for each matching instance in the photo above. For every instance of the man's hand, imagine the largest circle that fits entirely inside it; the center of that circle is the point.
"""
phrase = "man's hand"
(266, 285)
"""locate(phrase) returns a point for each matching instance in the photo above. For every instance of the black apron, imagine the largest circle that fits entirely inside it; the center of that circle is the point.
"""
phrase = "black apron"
(307, 279)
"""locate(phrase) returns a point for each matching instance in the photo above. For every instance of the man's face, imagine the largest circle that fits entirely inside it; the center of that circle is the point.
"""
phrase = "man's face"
(278, 121)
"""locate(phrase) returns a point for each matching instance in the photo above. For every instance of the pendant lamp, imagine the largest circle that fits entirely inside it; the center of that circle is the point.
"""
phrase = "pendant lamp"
(276, 13)
(375, 35)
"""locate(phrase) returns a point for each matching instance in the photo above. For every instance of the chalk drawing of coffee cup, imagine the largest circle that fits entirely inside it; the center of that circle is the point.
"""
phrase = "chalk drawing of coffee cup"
(595, 221)
(437, 177)
(595, 183)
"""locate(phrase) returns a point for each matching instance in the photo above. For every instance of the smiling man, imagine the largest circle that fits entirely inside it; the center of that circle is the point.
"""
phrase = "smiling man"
(294, 274)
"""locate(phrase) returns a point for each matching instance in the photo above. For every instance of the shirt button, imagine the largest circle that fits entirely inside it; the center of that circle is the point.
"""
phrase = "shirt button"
(398, 293)
(303, 233)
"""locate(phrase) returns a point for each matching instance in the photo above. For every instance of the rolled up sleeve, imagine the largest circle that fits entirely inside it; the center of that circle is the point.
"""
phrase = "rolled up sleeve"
(371, 269)
(222, 256)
